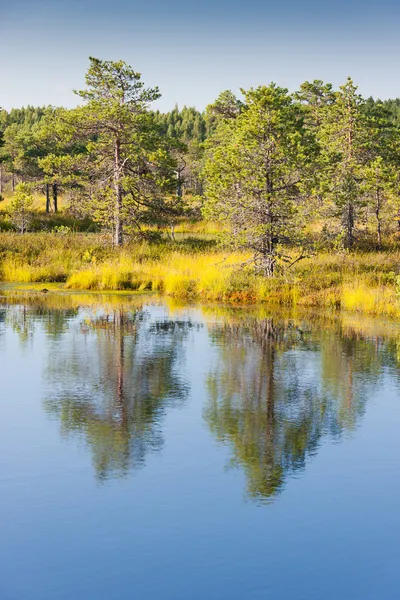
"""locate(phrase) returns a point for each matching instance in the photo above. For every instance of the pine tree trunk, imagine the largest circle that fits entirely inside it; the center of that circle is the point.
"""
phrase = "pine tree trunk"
(349, 226)
(179, 190)
(118, 196)
(268, 244)
(268, 265)
(379, 234)
(55, 197)
(267, 257)
(378, 218)
(47, 197)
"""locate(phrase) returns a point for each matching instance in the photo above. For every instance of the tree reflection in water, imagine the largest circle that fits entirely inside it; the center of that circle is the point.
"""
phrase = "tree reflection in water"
(24, 318)
(278, 388)
(115, 388)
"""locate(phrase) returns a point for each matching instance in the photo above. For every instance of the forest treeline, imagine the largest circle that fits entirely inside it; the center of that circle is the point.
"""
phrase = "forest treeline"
(280, 170)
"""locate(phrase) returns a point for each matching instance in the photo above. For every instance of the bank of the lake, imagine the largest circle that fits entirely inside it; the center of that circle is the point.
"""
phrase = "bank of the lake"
(364, 282)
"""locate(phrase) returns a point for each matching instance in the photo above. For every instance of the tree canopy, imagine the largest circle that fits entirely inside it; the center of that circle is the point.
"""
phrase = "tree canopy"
(271, 165)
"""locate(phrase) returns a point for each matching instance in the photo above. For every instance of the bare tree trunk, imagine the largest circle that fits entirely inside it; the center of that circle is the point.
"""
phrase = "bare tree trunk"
(13, 182)
(378, 218)
(55, 197)
(349, 225)
(379, 230)
(268, 265)
(268, 243)
(179, 190)
(266, 257)
(47, 197)
(118, 196)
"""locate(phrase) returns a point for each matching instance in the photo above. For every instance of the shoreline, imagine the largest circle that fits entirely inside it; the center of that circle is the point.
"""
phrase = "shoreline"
(364, 282)
(287, 302)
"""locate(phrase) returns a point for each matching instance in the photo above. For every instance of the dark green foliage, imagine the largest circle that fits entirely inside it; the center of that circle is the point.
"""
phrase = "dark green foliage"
(392, 108)
(187, 124)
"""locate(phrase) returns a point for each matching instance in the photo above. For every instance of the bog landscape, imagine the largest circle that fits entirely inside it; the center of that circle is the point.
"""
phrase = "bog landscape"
(276, 197)
(200, 344)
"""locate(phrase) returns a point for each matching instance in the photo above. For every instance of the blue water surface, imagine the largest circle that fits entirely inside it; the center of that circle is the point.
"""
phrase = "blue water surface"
(149, 450)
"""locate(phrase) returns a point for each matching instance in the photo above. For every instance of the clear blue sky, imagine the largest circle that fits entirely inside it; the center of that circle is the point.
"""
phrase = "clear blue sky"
(193, 51)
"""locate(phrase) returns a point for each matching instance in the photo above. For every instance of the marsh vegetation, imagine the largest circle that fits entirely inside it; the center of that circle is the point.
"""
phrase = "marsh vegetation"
(290, 198)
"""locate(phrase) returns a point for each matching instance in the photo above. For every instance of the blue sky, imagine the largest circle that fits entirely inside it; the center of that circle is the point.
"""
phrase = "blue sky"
(192, 51)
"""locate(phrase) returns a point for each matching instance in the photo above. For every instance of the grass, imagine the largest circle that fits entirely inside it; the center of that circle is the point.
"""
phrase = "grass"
(42, 221)
(45, 257)
(363, 282)
(39, 204)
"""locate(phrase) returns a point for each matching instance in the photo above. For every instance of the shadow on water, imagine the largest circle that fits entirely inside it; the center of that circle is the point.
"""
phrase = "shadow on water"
(279, 386)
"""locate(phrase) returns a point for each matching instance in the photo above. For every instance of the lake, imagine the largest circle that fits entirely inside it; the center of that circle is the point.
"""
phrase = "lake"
(155, 450)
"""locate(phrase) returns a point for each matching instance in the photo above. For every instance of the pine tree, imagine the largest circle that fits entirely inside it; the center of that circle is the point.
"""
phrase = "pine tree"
(256, 168)
(20, 207)
(128, 166)
(342, 136)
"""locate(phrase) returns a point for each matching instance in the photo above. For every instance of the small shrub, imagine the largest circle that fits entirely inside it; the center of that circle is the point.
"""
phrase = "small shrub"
(20, 208)
(62, 230)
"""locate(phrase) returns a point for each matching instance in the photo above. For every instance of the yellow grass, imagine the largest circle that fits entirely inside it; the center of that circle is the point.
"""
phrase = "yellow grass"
(181, 275)
(39, 204)
(366, 283)
(353, 283)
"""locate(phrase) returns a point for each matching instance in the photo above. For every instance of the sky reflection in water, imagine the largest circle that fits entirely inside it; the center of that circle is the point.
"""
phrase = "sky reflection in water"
(153, 450)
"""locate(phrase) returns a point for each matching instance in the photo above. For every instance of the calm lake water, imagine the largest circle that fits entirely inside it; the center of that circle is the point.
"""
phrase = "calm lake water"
(154, 451)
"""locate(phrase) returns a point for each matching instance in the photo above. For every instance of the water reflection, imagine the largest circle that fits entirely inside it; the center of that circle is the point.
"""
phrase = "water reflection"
(3, 314)
(115, 391)
(111, 371)
(25, 318)
(276, 388)
(279, 386)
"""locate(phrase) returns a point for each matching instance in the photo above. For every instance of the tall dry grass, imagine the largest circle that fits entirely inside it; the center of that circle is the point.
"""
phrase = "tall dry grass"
(360, 282)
